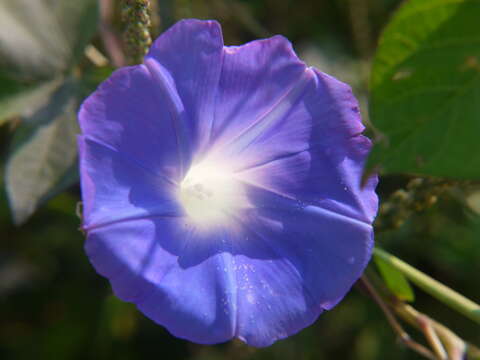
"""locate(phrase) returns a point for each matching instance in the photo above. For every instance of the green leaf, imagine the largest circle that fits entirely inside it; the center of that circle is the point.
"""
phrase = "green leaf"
(43, 156)
(395, 280)
(433, 287)
(425, 90)
(25, 101)
(39, 39)
(39, 42)
(78, 20)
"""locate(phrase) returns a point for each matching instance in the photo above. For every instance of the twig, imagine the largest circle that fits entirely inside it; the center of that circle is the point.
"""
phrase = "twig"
(432, 337)
(95, 56)
(454, 345)
(397, 328)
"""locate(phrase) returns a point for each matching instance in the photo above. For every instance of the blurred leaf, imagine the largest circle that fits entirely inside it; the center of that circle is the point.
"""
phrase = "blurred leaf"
(69, 178)
(41, 38)
(30, 38)
(57, 103)
(121, 317)
(26, 101)
(395, 280)
(92, 77)
(425, 89)
(78, 19)
(9, 84)
(40, 161)
(473, 201)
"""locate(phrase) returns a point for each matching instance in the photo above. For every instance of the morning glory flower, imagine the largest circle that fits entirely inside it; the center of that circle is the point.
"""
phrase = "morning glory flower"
(221, 187)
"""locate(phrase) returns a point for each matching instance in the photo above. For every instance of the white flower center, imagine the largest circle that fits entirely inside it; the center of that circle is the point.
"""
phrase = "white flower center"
(209, 193)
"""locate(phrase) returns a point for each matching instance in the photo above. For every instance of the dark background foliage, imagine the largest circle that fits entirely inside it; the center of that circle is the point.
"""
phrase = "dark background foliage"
(52, 303)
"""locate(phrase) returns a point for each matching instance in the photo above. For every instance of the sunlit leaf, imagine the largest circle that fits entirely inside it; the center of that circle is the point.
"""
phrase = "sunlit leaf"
(42, 162)
(473, 201)
(27, 100)
(395, 280)
(43, 37)
(425, 89)
(39, 42)
(41, 158)
(78, 20)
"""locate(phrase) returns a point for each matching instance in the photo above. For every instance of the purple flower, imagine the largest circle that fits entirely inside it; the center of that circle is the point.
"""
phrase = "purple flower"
(221, 187)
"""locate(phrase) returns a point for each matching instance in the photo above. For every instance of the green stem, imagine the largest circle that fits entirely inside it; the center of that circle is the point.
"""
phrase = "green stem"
(436, 289)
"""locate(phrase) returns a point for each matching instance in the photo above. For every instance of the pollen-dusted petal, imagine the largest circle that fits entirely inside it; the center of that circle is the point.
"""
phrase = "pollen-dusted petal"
(177, 277)
(272, 301)
(188, 57)
(115, 187)
(306, 259)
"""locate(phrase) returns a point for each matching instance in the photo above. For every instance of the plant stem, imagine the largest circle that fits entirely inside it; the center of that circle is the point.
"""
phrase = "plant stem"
(456, 347)
(432, 337)
(95, 56)
(397, 328)
(436, 289)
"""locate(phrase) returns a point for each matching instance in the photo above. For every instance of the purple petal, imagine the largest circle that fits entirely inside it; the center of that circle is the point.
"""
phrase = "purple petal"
(305, 260)
(187, 60)
(258, 79)
(127, 113)
(118, 188)
(301, 234)
(261, 281)
(315, 153)
(176, 276)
